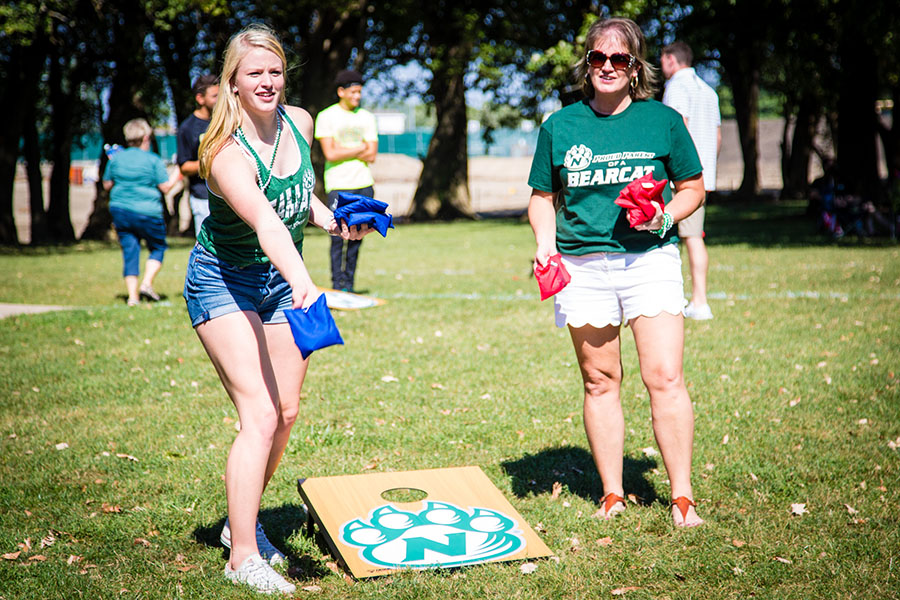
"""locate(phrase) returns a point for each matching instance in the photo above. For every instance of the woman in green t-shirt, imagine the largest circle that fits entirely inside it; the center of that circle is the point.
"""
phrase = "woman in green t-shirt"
(246, 270)
(586, 154)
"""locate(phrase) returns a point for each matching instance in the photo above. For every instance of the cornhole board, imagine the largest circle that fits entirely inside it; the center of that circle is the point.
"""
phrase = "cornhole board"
(338, 300)
(462, 520)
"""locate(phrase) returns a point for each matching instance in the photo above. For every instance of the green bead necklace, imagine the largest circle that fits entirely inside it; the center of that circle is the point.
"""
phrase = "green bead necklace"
(240, 134)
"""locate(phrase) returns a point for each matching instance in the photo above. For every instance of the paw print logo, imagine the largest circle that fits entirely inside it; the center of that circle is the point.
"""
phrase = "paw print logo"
(309, 179)
(578, 158)
(440, 535)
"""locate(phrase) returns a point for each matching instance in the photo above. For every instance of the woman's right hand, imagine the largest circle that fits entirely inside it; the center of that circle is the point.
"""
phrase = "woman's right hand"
(304, 294)
(543, 254)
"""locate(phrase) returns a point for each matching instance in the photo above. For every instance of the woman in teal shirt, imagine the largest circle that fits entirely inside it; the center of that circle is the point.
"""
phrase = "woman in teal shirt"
(136, 180)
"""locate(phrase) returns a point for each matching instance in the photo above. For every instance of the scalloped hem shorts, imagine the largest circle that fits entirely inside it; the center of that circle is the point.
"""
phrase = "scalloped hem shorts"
(611, 288)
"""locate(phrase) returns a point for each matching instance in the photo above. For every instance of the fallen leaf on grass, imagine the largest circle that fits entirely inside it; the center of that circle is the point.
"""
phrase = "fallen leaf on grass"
(649, 451)
(38, 557)
(574, 545)
(142, 542)
(186, 568)
(12, 555)
(128, 456)
(798, 508)
(62, 446)
(389, 379)
(604, 541)
(738, 543)
(784, 560)
(49, 540)
(738, 571)
(557, 488)
(540, 528)
(725, 439)
(624, 590)
(850, 509)
(333, 567)
(110, 508)
(437, 386)
(528, 568)
(312, 588)
(73, 559)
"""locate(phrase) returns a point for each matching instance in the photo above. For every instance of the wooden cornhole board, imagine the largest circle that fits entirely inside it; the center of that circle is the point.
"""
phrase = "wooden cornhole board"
(463, 520)
(338, 300)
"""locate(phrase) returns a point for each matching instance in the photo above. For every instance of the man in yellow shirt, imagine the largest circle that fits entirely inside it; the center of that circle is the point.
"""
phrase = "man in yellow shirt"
(349, 139)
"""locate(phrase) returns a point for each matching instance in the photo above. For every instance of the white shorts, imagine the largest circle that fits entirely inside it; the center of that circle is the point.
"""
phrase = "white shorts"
(611, 288)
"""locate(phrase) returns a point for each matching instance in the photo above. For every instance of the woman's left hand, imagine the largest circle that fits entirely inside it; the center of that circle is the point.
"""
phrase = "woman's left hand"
(653, 224)
(341, 230)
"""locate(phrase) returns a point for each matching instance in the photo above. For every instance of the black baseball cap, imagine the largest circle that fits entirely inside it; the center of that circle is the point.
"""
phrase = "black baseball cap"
(348, 78)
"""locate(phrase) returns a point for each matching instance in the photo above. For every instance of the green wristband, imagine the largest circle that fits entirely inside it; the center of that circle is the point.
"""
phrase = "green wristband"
(668, 221)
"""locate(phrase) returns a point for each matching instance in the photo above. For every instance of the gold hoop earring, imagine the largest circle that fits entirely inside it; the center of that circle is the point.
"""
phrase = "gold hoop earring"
(634, 83)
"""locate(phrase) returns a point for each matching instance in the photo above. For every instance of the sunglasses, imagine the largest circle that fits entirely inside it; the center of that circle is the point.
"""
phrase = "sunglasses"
(620, 61)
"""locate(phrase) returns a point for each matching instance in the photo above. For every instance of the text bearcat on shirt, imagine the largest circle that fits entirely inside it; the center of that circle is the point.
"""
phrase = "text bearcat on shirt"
(609, 175)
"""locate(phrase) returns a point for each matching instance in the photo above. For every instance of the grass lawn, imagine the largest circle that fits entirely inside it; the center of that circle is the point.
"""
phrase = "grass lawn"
(114, 428)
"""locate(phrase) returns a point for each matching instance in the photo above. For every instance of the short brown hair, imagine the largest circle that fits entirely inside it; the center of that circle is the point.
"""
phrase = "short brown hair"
(203, 82)
(628, 32)
(681, 51)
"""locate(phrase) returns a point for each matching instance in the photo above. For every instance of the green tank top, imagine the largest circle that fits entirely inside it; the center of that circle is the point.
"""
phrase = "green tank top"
(229, 238)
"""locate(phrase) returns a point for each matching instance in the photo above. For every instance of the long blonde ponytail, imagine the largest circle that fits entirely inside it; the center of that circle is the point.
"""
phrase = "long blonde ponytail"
(226, 116)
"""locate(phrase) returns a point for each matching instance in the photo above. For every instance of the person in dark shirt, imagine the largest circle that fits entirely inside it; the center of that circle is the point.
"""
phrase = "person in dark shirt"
(206, 91)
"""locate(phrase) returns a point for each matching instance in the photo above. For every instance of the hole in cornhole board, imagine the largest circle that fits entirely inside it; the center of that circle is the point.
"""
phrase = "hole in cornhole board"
(404, 495)
(379, 523)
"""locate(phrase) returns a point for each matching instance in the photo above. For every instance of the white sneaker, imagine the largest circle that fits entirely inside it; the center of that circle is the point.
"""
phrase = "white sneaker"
(699, 313)
(270, 553)
(259, 575)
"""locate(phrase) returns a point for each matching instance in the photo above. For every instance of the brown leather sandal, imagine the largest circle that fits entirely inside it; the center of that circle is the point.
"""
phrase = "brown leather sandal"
(609, 501)
(684, 504)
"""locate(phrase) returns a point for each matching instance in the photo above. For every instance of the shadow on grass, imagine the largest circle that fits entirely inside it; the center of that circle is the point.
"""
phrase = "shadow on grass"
(574, 467)
(765, 222)
(280, 523)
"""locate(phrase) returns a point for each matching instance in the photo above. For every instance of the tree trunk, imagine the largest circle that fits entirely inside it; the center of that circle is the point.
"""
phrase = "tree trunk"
(743, 74)
(124, 104)
(857, 154)
(32, 152)
(327, 49)
(58, 219)
(796, 177)
(443, 189)
(14, 106)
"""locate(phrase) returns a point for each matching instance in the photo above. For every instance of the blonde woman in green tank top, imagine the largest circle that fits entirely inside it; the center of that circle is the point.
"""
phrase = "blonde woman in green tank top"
(246, 269)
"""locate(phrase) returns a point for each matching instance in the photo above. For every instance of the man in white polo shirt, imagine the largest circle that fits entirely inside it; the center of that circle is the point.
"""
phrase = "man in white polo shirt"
(698, 103)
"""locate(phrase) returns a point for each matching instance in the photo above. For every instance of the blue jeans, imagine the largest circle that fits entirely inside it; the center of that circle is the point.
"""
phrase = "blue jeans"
(213, 288)
(344, 253)
(132, 227)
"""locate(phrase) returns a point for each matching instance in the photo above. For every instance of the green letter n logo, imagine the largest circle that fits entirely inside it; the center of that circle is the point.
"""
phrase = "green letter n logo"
(415, 547)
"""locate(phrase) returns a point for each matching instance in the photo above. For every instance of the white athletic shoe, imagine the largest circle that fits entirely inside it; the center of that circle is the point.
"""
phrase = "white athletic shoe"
(259, 575)
(270, 553)
(699, 313)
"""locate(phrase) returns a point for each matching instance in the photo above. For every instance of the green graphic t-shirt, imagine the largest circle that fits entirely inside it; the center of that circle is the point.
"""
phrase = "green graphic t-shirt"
(228, 237)
(588, 158)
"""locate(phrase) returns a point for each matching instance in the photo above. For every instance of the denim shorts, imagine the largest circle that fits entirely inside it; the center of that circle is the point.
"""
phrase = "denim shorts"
(213, 288)
(131, 228)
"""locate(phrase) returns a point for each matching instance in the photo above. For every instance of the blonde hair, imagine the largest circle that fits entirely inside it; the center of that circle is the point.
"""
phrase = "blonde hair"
(226, 116)
(627, 32)
(135, 131)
